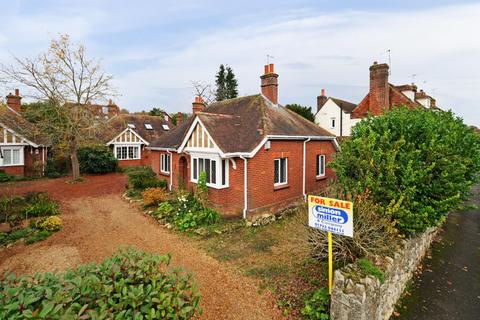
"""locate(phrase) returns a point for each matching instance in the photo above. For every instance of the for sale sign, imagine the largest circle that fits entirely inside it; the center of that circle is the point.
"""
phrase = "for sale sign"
(331, 215)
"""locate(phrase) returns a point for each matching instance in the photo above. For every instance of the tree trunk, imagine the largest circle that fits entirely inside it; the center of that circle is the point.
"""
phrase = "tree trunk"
(74, 159)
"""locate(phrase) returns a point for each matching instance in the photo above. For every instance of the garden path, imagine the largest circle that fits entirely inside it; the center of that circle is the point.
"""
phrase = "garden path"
(97, 221)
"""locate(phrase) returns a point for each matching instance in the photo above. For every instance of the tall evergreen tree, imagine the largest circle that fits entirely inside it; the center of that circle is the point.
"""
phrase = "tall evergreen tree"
(231, 84)
(220, 93)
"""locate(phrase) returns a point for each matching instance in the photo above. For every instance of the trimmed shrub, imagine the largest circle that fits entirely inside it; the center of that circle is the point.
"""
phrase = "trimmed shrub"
(417, 164)
(41, 206)
(4, 177)
(129, 285)
(96, 159)
(153, 196)
(143, 177)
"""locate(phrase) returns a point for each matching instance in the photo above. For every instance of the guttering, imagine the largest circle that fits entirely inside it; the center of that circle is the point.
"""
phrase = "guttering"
(171, 171)
(161, 149)
(304, 163)
(245, 187)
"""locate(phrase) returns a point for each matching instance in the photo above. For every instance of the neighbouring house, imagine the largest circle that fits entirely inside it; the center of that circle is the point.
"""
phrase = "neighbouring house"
(257, 155)
(23, 148)
(131, 133)
(107, 111)
(384, 96)
(334, 115)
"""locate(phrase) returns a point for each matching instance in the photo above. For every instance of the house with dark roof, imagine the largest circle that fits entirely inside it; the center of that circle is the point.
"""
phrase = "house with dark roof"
(23, 148)
(129, 134)
(334, 115)
(257, 155)
(384, 96)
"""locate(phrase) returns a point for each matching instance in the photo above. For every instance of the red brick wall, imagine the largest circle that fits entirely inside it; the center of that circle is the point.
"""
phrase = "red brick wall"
(261, 192)
(29, 168)
(14, 170)
(379, 88)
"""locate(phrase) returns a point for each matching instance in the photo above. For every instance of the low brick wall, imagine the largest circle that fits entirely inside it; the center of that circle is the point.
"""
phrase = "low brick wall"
(355, 298)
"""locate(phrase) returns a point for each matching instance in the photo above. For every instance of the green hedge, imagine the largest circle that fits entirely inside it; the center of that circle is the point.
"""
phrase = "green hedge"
(129, 285)
(96, 160)
(417, 164)
(141, 178)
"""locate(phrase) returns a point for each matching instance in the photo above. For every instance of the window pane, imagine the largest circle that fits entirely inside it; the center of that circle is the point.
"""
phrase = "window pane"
(318, 166)
(130, 152)
(276, 170)
(283, 170)
(322, 165)
(168, 163)
(200, 166)
(135, 152)
(7, 156)
(15, 156)
(195, 169)
(224, 172)
(214, 172)
(207, 169)
(124, 152)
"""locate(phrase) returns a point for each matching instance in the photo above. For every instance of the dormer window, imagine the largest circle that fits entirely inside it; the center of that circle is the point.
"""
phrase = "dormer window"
(131, 125)
(165, 127)
(148, 126)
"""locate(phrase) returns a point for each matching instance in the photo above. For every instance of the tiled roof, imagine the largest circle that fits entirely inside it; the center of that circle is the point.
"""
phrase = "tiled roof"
(344, 105)
(22, 127)
(240, 124)
(139, 124)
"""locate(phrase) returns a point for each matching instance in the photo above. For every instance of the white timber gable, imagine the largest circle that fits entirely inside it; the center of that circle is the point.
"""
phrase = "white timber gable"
(12, 147)
(127, 145)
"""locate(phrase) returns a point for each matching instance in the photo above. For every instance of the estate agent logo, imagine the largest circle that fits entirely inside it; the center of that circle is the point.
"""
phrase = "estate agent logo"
(331, 215)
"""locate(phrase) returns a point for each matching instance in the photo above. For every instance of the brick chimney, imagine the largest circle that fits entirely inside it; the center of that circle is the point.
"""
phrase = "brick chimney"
(198, 105)
(14, 101)
(379, 90)
(270, 83)
(179, 118)
(321, 99)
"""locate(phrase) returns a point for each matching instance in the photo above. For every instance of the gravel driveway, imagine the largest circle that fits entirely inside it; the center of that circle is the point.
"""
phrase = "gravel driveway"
(97, 221)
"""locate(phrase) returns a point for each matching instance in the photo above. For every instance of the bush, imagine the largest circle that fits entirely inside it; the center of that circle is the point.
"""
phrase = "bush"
(39, 236)
(96, 159)
(57, 167)
(129, 285)
(4, 177)
(186, 212)
(143, 177)
(41, 206)
(153, 196)
(373, 233)
(52, 223)
(317, 305)
(418, 164)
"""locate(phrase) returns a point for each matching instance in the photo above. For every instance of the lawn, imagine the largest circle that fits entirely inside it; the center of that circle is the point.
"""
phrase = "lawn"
(276, 254)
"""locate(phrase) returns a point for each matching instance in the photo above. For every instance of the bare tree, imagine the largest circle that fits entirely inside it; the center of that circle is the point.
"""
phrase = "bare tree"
(204, 90)
(69, 81)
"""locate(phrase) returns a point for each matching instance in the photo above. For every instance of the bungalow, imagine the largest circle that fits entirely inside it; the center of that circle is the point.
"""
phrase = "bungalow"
(23, 149)
(335, 115)
(384, 96)
(257, 155)
(131, 133)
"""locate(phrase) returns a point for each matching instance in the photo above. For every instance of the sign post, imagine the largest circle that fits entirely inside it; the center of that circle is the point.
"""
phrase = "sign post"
(332, 216)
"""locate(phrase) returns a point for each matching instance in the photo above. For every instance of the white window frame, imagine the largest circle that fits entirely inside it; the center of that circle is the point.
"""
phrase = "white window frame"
(165, 127)
(10, 149)
(148, 126)
(218, 169)
(139, 153)
(165, 160)
(280, 183)
(320, 166)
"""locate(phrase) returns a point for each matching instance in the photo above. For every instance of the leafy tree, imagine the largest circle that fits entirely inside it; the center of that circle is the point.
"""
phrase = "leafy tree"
(156, 112)
(416, 164)
(69, 81)
(305, 112)
(226, 84)
(96, 159)
(220, 93)
(231, 84)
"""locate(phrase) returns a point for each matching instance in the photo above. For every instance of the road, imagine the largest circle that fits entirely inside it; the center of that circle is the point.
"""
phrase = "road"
(447, 285)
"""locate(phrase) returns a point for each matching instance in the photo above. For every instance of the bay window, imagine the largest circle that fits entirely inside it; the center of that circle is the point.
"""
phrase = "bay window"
(215, 168)
(280, 172)
(165, 163)
(127, 152)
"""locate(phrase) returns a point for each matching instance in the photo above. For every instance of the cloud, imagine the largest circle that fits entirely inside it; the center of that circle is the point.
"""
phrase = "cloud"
(156, 52)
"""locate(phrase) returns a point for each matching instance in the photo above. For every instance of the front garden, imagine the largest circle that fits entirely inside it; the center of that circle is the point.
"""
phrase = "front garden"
(30, 218)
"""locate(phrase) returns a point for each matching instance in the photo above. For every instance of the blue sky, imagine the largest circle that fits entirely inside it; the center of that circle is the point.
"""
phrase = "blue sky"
(155, 49)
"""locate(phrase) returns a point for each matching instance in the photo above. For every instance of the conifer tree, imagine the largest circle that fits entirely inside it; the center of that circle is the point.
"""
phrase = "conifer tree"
(220, 93)
(226, 84)
(231, 84)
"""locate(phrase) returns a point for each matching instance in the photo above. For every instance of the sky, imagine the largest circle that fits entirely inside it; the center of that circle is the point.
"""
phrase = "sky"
(155, 49)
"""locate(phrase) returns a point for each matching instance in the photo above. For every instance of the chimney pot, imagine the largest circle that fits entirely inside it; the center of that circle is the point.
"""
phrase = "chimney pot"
(323, 92)
(17, 92)
(266, 69)
(270, 68)
(198, 105)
